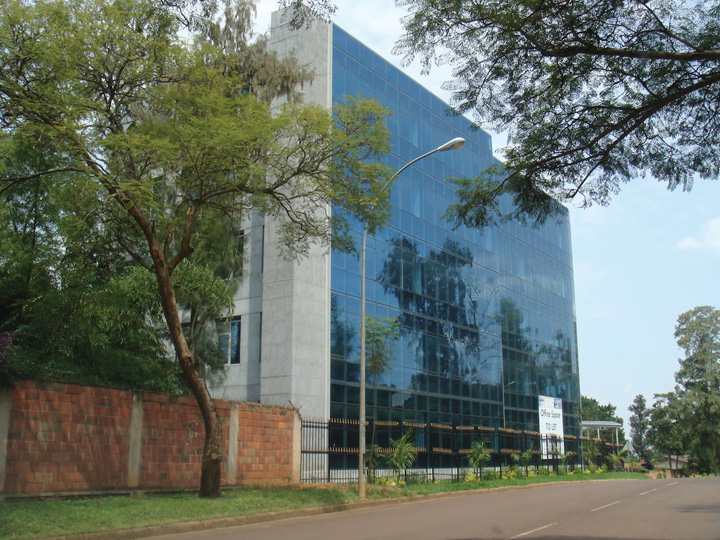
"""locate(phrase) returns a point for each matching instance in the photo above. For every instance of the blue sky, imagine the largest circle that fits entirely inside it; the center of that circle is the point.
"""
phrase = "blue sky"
(639, 262)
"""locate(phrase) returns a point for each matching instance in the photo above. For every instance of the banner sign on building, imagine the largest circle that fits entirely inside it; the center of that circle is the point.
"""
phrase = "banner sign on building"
(551, 425)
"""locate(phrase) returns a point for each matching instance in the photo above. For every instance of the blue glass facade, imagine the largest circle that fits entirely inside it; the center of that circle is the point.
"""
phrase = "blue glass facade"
(487, 316)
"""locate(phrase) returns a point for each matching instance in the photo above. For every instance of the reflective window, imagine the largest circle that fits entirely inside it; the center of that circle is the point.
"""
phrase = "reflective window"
(487, 316)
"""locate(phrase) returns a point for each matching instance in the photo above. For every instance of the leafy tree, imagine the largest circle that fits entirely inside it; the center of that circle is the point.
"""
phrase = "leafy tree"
(479, 456)
(75, 307)
(592, 93)
(639, 421)
(593, 410)
(302, 12)
(590, 451)
(665, 434)
(173, 140)
(698, 334)
(380, 337)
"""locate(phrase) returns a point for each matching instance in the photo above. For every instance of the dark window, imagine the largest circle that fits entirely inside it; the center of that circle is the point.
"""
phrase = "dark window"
(229, 340)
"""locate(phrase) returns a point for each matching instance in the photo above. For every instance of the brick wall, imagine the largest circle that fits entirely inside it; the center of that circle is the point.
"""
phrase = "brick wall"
(64, 438)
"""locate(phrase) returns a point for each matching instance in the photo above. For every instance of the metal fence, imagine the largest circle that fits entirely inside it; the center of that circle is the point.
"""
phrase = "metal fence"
(330, 449)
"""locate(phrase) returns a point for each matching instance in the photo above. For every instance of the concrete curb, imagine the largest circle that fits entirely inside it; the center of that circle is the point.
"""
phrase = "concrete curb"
(191, 526)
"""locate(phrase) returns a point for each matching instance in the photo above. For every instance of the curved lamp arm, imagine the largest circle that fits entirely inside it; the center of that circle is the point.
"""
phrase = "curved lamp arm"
(453, 144)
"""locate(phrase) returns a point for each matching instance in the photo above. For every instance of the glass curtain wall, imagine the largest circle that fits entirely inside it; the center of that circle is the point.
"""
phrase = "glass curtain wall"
(487, 316)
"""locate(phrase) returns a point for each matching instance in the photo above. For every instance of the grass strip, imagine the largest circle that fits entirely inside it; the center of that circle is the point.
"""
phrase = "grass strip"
(44, 518)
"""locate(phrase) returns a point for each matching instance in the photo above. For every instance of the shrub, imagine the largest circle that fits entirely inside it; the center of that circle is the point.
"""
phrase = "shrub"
(491, 475)
(416, 477)
(403, 454)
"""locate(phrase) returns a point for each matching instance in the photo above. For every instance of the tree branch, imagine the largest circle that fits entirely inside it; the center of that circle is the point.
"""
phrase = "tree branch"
(134, 254)
(9, 181)
(611, 52)
(185, 247)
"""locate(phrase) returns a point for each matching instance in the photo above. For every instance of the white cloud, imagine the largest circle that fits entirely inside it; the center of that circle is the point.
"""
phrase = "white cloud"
(708, 238)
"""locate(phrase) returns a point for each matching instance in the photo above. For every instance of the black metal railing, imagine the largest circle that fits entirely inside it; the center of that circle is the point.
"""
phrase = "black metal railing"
(330, 449)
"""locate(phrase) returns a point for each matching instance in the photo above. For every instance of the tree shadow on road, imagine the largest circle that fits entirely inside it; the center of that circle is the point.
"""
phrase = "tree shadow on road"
(698, 509)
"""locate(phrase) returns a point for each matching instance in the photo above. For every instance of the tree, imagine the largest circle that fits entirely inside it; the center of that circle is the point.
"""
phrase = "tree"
(526, 458)
(665, 432)
(75, 307)
(566, 459)
(616, 460)
(380, 337)
(593, 410)
(639, 421)
(173, 140)
(592, 94)
(479, 456)
(403, 453)
(590, 451)
(698, 334)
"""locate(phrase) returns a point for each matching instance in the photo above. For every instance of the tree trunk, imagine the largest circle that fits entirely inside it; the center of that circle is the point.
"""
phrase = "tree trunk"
(371, 472)
(212, 455)
(212, 452)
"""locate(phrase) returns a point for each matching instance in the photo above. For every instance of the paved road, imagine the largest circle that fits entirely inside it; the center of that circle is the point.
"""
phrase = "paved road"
(685, 509)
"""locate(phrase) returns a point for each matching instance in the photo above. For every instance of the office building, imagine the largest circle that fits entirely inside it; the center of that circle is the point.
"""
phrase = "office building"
(487, 316)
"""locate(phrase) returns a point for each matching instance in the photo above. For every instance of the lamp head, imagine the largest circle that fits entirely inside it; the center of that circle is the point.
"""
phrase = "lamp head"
(454, 144)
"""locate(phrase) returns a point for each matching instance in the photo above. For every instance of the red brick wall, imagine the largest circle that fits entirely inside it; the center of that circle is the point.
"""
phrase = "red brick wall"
(69, 438)
(172, 441)
(266, 434)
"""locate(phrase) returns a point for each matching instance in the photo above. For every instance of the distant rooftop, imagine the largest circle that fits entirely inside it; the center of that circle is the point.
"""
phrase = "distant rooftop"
(599, 424)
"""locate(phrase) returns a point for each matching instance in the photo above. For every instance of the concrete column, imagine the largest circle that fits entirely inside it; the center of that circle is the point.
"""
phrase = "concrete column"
(135, 445)
(5, 406)
(233, 444)
(297, 447)
(295, 363)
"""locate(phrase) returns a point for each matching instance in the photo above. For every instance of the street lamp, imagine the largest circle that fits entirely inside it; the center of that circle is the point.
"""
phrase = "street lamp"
(505, 387)
(453, 144)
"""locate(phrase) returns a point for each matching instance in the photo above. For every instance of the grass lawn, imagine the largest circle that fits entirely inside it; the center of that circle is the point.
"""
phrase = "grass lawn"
(27, 519)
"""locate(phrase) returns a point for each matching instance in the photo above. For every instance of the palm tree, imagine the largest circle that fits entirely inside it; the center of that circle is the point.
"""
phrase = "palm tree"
(515, 459)
(402, 455)
(616, 459)
(566, 458)
(479, 455)
(526, 458)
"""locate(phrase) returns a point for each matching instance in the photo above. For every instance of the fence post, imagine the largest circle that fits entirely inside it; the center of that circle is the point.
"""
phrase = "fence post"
(5, 406)
(233, 431)
(296, 446)
(135, 442)
(455, 453)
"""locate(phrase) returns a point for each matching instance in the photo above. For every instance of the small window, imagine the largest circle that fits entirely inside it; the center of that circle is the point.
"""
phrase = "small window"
(229, 340)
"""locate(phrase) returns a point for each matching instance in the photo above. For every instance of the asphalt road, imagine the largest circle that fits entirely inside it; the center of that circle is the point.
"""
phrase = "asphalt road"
(684, 509)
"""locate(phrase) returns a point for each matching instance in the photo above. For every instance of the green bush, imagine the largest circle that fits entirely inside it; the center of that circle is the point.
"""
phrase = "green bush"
(490, 475)
(416, 477)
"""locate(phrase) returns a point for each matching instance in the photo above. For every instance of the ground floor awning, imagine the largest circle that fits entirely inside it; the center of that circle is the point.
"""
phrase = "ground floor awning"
(601, 425)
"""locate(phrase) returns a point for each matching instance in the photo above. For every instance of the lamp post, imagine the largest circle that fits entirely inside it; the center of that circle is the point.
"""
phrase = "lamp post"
(505, 387)
(453, 144)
